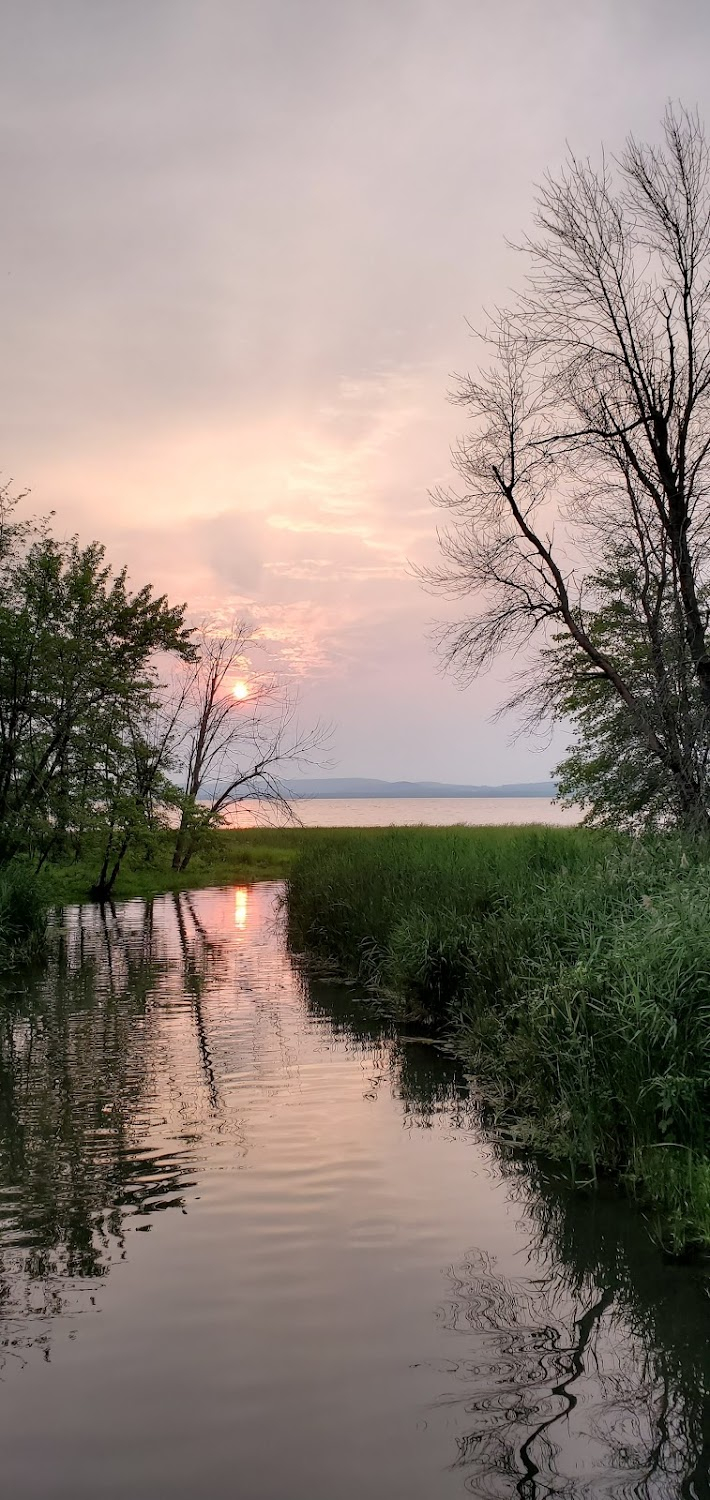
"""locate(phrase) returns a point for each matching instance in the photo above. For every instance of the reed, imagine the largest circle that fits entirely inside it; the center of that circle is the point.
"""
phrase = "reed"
(571, 969)
(23, 916)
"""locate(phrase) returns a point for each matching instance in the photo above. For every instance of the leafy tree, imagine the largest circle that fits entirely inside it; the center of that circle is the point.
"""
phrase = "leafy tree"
(608, 770)
(96, 752)
(78, 689)
(135, 794)
(583, 515)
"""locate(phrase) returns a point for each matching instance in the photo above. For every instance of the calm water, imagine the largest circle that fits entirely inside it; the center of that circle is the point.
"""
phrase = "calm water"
(376, 812)
(254, 1245)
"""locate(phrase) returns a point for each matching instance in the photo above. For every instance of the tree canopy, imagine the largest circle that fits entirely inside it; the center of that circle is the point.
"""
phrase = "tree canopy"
(117, 718)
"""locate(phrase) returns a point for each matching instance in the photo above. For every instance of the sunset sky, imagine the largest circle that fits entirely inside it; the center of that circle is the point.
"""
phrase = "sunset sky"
(241, 240)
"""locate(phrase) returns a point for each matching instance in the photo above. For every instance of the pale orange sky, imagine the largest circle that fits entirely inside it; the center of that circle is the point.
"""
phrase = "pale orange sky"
(241, 239)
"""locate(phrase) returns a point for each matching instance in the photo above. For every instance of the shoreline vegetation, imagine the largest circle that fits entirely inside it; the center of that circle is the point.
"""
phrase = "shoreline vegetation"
(226, 856)
(569, 968)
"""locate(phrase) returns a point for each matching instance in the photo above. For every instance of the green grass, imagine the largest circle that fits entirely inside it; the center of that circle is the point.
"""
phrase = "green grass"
(23, 917)
(571, 968)
(231, 856)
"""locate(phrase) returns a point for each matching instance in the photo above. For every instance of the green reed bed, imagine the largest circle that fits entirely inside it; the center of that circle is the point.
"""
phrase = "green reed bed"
(573, 971)
(23, 916)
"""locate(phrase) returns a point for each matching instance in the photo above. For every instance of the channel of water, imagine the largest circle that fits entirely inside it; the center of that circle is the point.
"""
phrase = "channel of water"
(255, 1243)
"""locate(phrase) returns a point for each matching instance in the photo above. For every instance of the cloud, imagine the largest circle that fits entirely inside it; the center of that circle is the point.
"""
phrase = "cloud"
(240, 243)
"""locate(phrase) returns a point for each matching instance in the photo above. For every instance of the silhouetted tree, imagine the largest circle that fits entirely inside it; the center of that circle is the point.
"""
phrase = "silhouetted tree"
(583, 515)
(234, 747)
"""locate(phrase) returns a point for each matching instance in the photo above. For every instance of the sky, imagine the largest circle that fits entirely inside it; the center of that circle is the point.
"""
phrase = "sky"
(243, 245)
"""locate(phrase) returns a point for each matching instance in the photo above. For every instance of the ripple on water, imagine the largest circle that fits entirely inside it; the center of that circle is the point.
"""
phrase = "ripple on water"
(249, 1237)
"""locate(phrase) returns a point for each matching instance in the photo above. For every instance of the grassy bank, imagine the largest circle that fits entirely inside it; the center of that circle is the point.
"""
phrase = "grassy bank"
(230, 856)
(573, 970)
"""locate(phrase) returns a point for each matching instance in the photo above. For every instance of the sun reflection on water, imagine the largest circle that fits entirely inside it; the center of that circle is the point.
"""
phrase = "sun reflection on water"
(241, 906)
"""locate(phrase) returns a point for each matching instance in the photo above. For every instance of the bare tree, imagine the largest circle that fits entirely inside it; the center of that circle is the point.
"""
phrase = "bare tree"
(139, 794)
(234, 746)
(586, 477)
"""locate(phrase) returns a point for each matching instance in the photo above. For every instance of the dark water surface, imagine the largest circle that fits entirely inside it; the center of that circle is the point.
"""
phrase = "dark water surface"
(254, 1245)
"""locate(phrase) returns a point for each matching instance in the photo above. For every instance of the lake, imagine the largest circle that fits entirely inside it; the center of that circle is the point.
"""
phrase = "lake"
(375, 812)
(255, 1243)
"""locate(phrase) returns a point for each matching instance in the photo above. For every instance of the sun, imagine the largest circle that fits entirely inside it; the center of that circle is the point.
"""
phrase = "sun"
(241, 690)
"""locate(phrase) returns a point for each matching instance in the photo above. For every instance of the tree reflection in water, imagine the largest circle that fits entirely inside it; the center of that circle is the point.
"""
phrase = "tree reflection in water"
(583, 1373)
(587, 1374)
(78, 1061)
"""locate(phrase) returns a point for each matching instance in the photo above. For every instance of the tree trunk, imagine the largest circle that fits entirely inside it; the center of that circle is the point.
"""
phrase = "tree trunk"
(182, 842)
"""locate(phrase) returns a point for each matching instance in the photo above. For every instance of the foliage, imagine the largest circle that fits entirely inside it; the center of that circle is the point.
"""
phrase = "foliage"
(79, 754)
(99, 757)
(228, 856)
(608, 770)
(23, 916)
(580, 524)
(573, 970)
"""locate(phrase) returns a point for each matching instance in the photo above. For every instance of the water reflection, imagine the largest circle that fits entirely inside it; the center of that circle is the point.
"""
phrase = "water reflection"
(427, 1083)
(172, 1058)
(241, 907)
(587, 1372)
(79, 1064)
(629, 1358)
(579, 1383)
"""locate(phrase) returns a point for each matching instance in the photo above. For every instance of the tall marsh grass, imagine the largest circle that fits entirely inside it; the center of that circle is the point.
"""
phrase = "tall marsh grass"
(23, 916)
(573, 971)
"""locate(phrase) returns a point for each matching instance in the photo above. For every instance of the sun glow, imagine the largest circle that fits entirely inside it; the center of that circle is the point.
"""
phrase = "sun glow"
(241, 906)
(241, 690)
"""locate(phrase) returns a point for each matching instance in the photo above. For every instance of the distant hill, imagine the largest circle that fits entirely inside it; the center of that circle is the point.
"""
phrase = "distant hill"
(362, 786)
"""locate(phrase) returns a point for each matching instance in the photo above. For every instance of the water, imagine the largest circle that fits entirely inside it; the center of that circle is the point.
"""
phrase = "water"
(253, 1244)
(376, 812)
